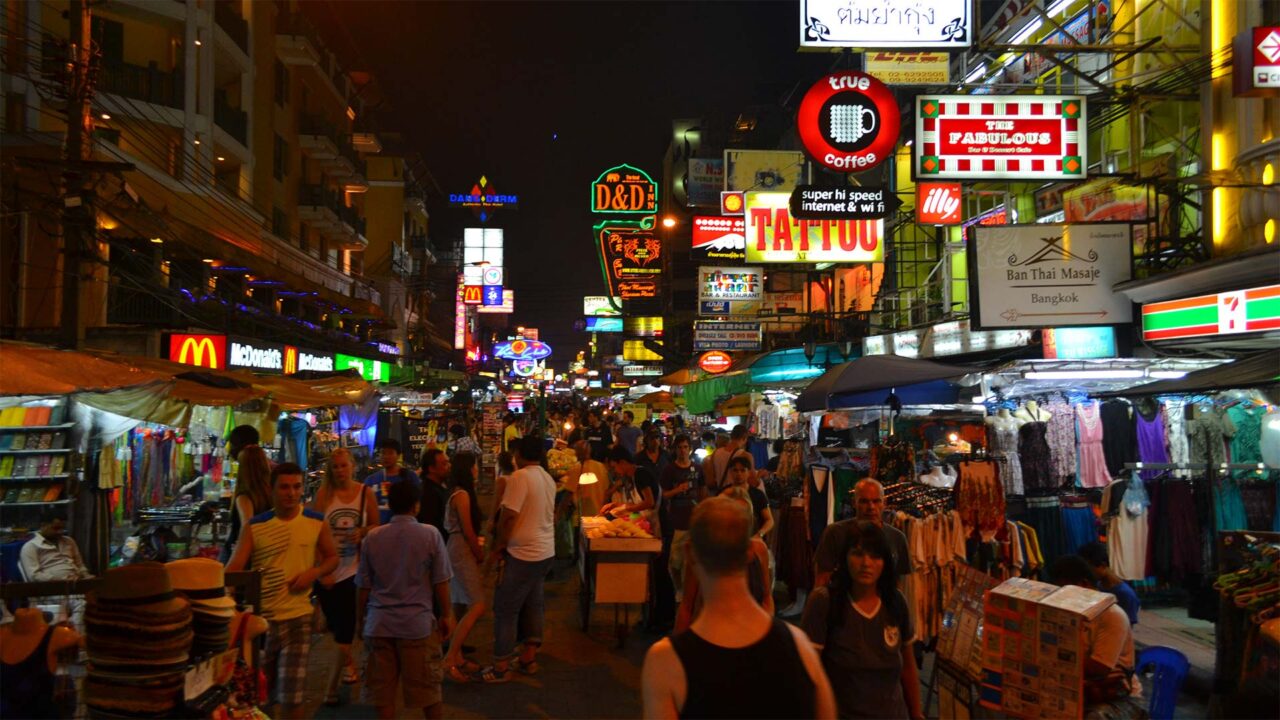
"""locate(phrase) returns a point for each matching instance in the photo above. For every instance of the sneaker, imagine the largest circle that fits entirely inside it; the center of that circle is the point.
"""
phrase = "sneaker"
(492, 676)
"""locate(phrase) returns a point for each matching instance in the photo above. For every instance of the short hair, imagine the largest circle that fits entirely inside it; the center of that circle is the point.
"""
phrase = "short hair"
(1095, 553)
(530, 447)
(242, 436)
(708, 437)
(286, 469)
(739, 432)
(510, 417)
(722, 439)
(457, 430)
(402, 496)
(742, 460)
(681, 438)
(869, 482)
(389, 444)
(720, 535)
(506, 463)
(51, 514)
(1072, 570)
(618, 453)
(628, 415)
(429, 457)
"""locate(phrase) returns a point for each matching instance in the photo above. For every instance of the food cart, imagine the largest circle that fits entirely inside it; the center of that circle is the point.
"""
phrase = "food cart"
(614, 570)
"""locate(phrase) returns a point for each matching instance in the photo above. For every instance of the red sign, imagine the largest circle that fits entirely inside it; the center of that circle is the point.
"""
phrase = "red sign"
(985, 137)
(849, 121)
(732, 202)
(637, 289)
(939, 204)
(473, 295)
(719, 238)
(206, 351)
(1256, 69)
(715, 361)
(631, 253)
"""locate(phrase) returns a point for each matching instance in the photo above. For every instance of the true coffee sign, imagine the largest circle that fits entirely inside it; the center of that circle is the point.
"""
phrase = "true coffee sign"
(844, 203)
(1015, 137)
(849, 121)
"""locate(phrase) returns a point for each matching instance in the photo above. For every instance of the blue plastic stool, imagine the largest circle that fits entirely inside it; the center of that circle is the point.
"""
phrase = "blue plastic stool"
(1169, 669)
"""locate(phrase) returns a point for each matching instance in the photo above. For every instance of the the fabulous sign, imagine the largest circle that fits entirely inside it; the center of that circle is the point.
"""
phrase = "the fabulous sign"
(1026, 276)
(255, 355)
(844, 203)
(774, 236)
(942, 24)
(1014, 137)
(849, 121)
(624, 190)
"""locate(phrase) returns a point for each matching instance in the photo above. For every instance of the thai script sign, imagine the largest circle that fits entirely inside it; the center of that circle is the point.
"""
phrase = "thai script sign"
(886, 23)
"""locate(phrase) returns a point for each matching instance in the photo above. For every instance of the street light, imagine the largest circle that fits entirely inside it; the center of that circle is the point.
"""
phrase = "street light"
(668, 222)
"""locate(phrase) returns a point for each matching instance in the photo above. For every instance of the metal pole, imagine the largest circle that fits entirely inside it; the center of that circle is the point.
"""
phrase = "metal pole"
(77, 215)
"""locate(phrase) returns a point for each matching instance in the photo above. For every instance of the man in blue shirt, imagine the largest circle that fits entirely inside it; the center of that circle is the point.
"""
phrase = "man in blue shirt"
(1095, 554)
(628, 435)
(391, 473)
(403, 577)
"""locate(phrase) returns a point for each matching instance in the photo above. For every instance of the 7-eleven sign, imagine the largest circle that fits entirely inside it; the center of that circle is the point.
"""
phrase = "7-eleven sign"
(1225, 313)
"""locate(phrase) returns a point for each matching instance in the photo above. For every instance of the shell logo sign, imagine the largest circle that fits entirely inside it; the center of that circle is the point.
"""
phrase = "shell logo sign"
(206, 351)
(715, 361)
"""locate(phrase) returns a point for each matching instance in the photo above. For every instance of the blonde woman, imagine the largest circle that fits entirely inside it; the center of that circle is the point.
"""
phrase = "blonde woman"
(351, 509)
(253, 493)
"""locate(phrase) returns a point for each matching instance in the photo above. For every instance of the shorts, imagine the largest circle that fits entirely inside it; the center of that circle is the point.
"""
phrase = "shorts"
(284, 659)
(416, 666)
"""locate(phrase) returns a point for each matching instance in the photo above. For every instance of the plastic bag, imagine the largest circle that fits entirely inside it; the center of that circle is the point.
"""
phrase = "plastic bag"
(1135, 500)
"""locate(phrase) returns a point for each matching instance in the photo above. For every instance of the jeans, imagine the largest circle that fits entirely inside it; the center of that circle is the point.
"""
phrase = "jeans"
(518, 605)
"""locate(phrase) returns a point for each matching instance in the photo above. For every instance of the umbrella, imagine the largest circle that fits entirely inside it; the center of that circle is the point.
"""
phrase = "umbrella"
(874, 372)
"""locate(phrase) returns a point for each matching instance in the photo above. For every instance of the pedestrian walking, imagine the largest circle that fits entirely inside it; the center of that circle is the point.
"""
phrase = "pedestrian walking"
(253, 493)
(390, 473)
(466, 553)
(736, 660)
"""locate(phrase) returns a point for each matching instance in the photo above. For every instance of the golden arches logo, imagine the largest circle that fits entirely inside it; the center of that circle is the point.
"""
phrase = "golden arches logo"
(193, 352)
(290, 359)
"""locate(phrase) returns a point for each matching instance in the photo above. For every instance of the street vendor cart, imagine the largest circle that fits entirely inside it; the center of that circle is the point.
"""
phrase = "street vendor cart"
(614, 570)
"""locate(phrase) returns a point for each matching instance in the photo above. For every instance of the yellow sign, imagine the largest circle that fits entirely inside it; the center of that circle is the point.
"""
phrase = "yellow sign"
(774, 236)
(909, 68)
(635, 351)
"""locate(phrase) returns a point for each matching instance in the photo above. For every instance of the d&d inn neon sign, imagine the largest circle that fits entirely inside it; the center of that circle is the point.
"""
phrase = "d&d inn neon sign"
(624, 190)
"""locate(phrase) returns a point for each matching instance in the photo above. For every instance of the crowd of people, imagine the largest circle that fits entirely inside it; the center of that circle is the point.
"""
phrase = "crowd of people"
(400, 560)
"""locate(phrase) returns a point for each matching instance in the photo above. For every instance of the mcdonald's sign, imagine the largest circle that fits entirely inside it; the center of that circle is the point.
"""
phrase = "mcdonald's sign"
(290, 359)
(206, 351)
(472, 294)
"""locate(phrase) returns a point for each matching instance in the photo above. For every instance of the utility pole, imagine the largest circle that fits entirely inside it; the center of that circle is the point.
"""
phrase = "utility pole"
(78, 222)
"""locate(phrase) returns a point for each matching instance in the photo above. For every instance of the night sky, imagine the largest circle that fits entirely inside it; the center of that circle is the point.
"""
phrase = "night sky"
(543, 96)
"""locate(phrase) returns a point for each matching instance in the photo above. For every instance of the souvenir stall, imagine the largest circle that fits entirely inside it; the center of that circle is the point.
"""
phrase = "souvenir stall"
(1247, 632)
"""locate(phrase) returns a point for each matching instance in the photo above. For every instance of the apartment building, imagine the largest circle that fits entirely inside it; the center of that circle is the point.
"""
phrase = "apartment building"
(229, 182)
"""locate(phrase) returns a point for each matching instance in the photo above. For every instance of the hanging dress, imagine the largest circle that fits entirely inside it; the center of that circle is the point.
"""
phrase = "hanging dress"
(1034, 457)
(1061, 436)
(1151, 440)
(1004, 447)
(1175, 417)
(1093, 462)
(1119, 446)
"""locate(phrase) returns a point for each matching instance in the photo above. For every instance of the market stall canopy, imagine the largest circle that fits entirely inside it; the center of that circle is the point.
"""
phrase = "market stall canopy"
(27, 369)
(1260, 370)
(735, 406)
(874, 373)
(289, 394)
(658, 401)
(793, 367)
(700, 397)
(683, 376)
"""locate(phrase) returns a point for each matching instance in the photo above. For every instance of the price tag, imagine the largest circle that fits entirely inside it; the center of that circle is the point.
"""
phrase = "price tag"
(198, 680)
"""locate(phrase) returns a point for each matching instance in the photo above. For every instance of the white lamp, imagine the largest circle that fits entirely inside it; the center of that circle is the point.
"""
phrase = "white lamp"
(586, 478)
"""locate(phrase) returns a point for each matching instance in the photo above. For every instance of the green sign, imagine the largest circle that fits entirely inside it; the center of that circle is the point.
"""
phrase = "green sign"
(371, 370)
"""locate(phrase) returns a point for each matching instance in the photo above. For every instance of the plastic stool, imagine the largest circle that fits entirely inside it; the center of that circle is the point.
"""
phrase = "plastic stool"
(1169, 669)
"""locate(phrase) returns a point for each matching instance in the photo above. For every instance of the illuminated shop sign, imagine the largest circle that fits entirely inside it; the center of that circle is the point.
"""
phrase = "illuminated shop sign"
(951, 338)
(507, 307)
(604, 324)
(624, 190)
(483, 200)
(773, 236)
(647, 326)
(1015, 137)
(460, 317)
(909, 68)
(943, 24)
(939, 203)
(714, 335)
(522, 350)
(1032, 65)
(635, 351)
(763, 170)
(715, 361)
(255, 355)
(482, 251)
(599, 306)
(730, 290)
(297, 360)
(843, 203)
(995, 216)
(491, 276)
(732, 202)
(632, 253)
(206, 351)
(849, 121)
(1257, 62)
(704, 181)
(641, 370)
(718, 239)
(1078, 343)
(492, 296)
(473, 294)
(371, 370)
(1226, 313)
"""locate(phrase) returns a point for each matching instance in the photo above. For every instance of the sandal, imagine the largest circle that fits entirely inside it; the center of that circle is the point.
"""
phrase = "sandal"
(492, 676)
(350, 676)
(455, 673)
(529, 668)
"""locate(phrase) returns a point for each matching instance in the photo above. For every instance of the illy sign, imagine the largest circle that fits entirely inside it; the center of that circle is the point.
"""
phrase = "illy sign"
(938, 204)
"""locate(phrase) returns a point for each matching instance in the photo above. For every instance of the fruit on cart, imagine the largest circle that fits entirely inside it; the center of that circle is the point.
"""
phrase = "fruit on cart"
(619, 527)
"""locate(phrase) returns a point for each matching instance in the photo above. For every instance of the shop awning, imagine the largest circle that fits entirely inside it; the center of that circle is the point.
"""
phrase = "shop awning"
(27, 369)
(791, 366)
(874, 373)
(683, 376)
(700, 397)
(735, 406)
(658, 401)
(1260, 370)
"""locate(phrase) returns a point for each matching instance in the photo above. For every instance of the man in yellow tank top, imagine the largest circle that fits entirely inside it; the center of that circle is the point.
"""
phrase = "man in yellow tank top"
(292, 548)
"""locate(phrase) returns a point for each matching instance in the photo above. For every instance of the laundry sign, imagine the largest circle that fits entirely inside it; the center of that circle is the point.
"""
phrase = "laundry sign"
(1027, 276)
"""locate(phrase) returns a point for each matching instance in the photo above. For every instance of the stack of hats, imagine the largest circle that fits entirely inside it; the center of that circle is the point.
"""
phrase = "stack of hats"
(138, 639)
(202, 582)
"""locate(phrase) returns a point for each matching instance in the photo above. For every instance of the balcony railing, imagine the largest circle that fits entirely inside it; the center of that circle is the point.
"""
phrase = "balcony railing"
(317, 125)
(317, 196)
(235, 26)
(149, 84)
(233, 120)
(128, 306)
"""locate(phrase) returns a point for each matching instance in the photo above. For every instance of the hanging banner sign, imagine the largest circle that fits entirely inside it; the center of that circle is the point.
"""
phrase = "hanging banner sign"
(1025, 276)
(1014, 137)
(371, 370)
(714, 335)
(718, 239)
(843, 203)
(206, 351)
(939, 203)
(943, 24)
(1226, 313)
(849, 121)
(507, 307)
(255, 355)
(715, 362)
(599, 306)
(460, 316)
(774, 236)
(631, 253)
(730, 290)
(624, 190)
(909, 68)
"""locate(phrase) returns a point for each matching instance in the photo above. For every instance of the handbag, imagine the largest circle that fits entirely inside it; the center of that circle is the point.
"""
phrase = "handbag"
(248, 683)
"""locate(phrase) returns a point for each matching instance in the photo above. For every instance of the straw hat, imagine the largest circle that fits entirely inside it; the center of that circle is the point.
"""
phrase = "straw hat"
(203, 582)
(144, 587)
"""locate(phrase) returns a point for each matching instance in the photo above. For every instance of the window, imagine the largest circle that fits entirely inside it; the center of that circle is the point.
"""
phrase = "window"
(280, 159)
(279, 223)
(108, 35)
(15, 112)
(282, 83)
(303, 238)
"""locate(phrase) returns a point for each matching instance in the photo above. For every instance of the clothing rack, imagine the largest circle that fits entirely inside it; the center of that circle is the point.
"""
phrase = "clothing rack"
(1257, 467)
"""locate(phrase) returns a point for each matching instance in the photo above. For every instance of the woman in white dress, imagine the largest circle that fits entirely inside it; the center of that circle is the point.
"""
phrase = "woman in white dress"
(462, 521)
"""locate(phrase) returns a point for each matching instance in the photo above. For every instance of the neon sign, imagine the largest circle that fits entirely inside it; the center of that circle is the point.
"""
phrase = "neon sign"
(624, 190)
(206, 351)
(483, 201)
(631, 257)
(521, 350)
(1014, 137)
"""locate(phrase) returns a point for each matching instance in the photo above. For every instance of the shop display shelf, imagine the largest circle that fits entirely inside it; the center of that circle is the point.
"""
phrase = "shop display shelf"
(61, 476)
(35, 428)
(36, 451)
(35, 504)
